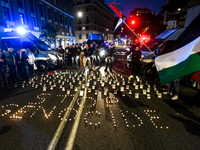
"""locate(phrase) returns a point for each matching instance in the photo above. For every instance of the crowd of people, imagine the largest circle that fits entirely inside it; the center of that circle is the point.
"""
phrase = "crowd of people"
(84, 55)
(16, 66)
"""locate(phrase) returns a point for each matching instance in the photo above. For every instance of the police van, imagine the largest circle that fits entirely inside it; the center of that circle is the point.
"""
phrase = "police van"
(45, 58)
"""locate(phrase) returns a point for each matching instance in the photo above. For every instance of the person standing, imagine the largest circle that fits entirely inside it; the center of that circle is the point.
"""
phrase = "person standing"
(173, 89)
(91, 49)
(11, 64)
(109, 58)
(3, 75)
(68, 50)
(24, 66)
(31, 61)
(82, 55)
(18, 61)
(98, 56)
(87, 56)
(60, 54)
(136, 55)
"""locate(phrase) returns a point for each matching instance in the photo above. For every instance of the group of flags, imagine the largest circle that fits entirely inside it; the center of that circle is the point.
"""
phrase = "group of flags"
(180, 58)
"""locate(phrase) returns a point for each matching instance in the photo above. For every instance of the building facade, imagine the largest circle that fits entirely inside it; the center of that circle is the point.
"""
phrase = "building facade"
(93, 16)
(33, 14)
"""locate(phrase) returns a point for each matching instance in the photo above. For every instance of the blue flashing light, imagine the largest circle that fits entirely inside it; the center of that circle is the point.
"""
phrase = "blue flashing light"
(21, 30)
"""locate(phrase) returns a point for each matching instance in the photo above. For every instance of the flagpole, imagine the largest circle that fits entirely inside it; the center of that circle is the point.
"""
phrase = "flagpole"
(138, 38)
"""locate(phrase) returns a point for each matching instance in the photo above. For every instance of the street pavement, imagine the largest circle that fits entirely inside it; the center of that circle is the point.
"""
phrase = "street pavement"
(97, 110)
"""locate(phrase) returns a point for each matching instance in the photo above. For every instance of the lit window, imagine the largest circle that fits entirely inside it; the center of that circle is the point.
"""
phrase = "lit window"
(80, 36)
(21, 18)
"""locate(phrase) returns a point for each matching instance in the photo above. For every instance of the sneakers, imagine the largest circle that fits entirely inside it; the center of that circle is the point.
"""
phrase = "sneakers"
(175, 97)
(169, 93)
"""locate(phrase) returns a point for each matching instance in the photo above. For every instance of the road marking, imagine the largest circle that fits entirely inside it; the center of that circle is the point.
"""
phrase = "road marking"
(61, 126)
(72, 136)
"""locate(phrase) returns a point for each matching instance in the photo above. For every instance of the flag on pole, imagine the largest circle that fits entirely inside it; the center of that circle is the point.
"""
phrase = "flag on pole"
(120, 23)
(116, 10)
(181, 58)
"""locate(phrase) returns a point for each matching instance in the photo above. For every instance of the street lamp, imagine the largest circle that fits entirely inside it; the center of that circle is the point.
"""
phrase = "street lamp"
(80, 14)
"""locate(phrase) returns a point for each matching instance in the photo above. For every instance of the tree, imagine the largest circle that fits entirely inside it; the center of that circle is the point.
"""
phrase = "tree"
(48, 33)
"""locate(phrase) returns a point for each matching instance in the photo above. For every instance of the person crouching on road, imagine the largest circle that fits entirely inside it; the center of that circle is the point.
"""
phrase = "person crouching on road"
(87, 55)
(24, 65)
(136, 55)
(109, 58)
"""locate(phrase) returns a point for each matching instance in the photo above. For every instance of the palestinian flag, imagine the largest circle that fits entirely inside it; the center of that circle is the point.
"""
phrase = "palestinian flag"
(182, 57)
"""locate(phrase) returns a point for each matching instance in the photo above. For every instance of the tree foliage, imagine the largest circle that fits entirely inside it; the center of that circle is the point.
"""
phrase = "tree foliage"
(48, 33)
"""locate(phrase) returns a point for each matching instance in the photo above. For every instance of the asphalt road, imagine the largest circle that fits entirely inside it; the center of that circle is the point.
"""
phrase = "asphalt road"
(98, 112)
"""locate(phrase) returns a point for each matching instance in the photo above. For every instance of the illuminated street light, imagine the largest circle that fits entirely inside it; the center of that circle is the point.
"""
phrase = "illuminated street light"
(21, 30)
(106, 29)
(80, 14)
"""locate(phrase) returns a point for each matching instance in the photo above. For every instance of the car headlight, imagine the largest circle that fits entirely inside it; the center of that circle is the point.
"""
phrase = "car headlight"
(53, 57)
(102, 53)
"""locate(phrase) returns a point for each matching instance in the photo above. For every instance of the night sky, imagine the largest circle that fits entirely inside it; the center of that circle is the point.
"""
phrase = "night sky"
(129, 5)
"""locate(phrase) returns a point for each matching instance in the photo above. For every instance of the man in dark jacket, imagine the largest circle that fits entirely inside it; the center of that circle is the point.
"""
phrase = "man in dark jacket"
(11, 64)
(87, 56)
(68, 51)
(3, 76)
(109, 58)
(136, 55)
(24, 66)
(61, 54)
(75, 54)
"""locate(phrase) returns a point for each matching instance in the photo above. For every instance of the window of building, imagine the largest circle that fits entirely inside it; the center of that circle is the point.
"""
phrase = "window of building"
(21, 18)
(20, 4)
(70, 31)
(79, 21)
(55, 2)
(32, 6)
(66, 7)
(66, 29)
(61, 5)
(87, 35)
(6, 13)
(70, 22)
(87, 27)
(70, 10)
(42, 23)
(41, 7)
(79, 28)
(33, 22)
(61, 19)
(87, 9)
(56, 16)
(80, 36)
(87, 19)
(49, 13)
(65, 20)
(5, 1)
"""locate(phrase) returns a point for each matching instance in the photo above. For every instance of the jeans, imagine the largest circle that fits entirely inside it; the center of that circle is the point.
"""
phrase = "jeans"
(75, 60)
(85, 60)
(13, 72)
(31, 68)
(174, 85)
(25, 73)
(3, 78)
(109, 62)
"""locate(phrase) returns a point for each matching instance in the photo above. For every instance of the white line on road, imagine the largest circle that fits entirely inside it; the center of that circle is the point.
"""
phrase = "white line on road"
(72, 136)
(60, 128)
